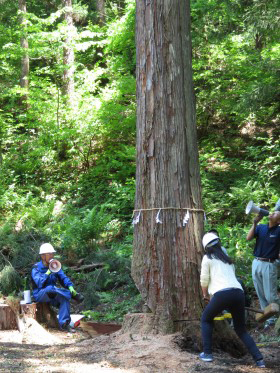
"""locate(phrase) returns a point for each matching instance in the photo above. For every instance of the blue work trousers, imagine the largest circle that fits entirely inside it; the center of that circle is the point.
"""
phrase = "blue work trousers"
(232, 300)
(59, 298)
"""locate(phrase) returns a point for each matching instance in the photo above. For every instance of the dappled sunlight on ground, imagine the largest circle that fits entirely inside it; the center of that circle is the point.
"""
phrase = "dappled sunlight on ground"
(119, 353)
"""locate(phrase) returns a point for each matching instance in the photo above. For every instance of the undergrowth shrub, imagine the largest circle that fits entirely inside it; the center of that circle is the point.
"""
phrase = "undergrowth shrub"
(82, 231)
(10, 280)
(114, 305)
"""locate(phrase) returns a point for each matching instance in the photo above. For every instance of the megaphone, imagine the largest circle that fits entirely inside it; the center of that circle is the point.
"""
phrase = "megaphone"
(251, 208)
(54, 265)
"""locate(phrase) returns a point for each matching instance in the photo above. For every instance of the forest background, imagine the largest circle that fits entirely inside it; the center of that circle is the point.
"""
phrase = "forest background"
(68, 161)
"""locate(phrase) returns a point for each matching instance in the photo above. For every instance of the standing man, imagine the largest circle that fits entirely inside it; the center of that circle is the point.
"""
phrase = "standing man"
(45, 289)
(266, 252)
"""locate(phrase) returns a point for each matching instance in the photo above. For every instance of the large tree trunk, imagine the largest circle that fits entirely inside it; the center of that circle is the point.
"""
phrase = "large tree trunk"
(68, 53)
(167, 255)
(24, 81)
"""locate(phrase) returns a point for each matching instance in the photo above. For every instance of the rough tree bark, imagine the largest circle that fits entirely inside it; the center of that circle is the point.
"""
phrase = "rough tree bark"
(7, 318)
(167, 256)
(68, 53)
(24, 81)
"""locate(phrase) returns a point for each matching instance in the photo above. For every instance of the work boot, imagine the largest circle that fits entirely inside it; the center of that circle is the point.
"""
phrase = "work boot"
(206, 357)
(260, 364)
(269, 324)
(78, 297)
(66, 327)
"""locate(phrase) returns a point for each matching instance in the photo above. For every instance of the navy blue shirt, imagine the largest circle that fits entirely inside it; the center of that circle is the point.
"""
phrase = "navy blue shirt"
(268, 241)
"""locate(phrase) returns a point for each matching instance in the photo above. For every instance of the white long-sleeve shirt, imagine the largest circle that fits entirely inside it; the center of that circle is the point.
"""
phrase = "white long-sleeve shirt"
(217, 275)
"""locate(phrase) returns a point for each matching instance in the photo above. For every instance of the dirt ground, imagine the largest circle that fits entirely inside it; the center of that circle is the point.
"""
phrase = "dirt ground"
(117, 352)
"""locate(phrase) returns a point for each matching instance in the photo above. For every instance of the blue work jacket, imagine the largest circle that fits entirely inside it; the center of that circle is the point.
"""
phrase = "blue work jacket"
(41, 280)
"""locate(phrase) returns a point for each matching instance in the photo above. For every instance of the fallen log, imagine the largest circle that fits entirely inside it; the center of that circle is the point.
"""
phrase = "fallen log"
(96, 328)
(256, 310)
(269, 311)
(87, 267)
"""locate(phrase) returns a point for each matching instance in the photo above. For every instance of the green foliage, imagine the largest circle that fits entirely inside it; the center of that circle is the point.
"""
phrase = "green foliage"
(20, 248)
(81, 157)
(10, 281)
(235, 72)
(82, 232)
(114, 306)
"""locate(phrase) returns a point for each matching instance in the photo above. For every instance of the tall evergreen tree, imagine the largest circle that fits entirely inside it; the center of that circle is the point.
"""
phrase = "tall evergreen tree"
(167, 252)
(68, 52)
(101, 11)
(24, 76)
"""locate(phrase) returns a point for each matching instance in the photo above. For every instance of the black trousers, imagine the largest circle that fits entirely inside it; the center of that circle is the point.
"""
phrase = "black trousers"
(232, 300)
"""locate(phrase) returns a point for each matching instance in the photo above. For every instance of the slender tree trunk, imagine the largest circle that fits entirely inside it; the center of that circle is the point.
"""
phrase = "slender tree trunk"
(101, 11)
(68, 53)
(167, 255)
(259, 41)
(24, 82)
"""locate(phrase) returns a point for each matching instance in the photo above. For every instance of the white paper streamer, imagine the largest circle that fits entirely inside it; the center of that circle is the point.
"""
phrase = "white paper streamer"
(136, 219)
(157, 217)
(205, 219)
(186, 218)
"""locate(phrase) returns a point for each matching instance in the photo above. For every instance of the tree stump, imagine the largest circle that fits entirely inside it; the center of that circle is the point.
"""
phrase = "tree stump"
(28, 310)
(46, 315)
(41, 312)
(144, 323)
(7, 318)
(224, 338)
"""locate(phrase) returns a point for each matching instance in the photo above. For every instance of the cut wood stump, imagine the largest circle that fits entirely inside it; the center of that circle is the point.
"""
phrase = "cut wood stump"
(139, 323)
(7, 318)
(224, 338)
(41, 312)
(46, 315)
(28, 310)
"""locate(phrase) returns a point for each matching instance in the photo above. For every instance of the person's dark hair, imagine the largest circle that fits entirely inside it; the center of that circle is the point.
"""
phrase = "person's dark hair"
(214, 231)
(216, 252)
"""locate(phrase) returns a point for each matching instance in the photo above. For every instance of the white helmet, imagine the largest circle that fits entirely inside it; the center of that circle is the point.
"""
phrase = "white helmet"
(46, 248)
(209, 239)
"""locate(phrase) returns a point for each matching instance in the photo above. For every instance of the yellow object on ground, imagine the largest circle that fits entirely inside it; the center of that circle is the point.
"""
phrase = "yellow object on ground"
(223, 317)
(227, 315)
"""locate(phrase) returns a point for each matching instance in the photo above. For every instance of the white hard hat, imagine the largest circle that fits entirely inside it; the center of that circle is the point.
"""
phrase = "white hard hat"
(209, 239)
(46, 248)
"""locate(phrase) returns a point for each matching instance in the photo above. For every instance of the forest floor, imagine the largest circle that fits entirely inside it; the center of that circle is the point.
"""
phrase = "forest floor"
(123, 353)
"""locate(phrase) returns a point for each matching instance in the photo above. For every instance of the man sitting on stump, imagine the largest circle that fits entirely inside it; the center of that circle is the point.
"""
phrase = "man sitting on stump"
(45, 289)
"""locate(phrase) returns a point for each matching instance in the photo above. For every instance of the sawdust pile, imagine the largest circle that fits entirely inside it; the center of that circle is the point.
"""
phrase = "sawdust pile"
(34, 333)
